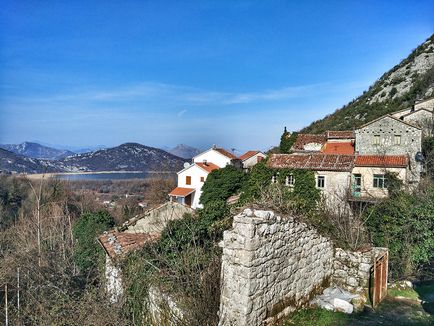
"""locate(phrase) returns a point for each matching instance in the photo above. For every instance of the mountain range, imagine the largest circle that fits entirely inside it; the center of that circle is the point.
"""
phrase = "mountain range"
(184, 151)
(35, 150)
(126, 157)
(409, 81)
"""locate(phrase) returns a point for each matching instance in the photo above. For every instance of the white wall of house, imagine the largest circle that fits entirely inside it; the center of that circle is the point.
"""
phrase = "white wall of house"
(367, 173)
(336, 186)
(196, 173)
(252, 161)
(213, 156)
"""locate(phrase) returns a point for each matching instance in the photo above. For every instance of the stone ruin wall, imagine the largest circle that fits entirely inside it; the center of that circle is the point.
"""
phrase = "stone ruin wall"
(272, 265)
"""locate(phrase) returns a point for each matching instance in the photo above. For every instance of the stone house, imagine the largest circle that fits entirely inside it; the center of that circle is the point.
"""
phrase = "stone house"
(389, 135)
(353, 164)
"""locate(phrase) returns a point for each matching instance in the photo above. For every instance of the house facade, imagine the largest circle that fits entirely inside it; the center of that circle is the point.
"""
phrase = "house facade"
(354, 165)
(193, 176)
(390, 136)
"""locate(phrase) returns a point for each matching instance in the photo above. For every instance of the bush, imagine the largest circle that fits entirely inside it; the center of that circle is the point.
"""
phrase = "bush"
(405, 224)
(221, 184)
(87, 252)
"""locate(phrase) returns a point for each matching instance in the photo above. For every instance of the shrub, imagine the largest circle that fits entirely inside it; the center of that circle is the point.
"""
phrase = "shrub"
(87, 252)
(405, 224)
(221, 184)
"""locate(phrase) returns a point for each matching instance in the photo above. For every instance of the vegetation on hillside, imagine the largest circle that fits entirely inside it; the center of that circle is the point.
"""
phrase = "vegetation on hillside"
(362, 110)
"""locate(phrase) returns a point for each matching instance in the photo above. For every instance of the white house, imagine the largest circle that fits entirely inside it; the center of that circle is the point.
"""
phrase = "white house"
(251, 158)
(192, 177)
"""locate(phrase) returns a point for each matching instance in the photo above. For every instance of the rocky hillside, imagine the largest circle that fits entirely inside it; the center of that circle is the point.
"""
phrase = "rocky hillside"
(399, 88)
(126, 157)
(11, 162)
(35, 150)
(184, 151)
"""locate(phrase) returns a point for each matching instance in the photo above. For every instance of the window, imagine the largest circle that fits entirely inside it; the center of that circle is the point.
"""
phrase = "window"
(289, 181)
(320, 181)
(202, 179)
(379, 181)
(188, 180)
(376, 140)
(397, 140)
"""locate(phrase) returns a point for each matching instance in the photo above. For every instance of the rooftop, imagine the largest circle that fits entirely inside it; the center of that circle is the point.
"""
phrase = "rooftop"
(317, 162)
(304, 139)
(225, 153)
(209, 167)
(382, 160)
(344, 134)
(117, 244)
(346, 148)
(248, 154)
(181, 192)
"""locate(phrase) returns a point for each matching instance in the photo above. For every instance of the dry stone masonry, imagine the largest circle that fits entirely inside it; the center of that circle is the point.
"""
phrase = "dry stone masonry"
(273, 264)
(270, 265)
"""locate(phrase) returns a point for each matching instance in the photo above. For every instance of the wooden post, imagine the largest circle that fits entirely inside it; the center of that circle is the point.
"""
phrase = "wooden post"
(6, 305)
(18, 291)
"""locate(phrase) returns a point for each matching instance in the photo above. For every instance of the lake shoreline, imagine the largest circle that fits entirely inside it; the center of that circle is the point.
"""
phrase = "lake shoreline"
(38, 176)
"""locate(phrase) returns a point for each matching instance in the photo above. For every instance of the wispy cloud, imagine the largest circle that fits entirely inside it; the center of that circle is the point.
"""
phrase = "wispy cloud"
(181, 113)
(174, 94)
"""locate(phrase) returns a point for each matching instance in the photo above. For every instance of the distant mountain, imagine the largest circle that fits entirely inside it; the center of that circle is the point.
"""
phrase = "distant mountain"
(11, 162)
(399, 88)
(35, 150)
(184, 151)
(126, 157)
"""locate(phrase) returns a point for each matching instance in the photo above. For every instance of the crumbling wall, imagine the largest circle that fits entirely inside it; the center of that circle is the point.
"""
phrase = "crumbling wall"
(270, 265)
(113, 281)
(351, 269)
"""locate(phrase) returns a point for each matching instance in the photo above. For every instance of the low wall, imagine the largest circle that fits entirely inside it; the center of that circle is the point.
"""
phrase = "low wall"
(155, 220)
(270, 265)
(351, 269)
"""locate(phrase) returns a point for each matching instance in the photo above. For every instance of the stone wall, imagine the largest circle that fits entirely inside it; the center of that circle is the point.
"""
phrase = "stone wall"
(270, 265)
(387, 127)
(113, 281)
(155, 220)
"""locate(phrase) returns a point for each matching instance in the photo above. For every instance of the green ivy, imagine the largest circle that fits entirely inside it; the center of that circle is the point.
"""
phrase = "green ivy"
(87, 252)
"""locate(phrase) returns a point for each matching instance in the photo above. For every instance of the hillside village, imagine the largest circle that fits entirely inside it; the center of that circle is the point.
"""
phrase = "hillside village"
(334, 226)
(351, 168)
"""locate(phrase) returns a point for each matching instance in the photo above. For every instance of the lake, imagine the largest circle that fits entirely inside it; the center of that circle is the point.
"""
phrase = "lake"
(110, 176)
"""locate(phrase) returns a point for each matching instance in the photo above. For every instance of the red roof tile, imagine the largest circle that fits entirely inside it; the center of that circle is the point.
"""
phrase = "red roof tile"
(346, 148)
(303, 139)
(181, 192)
(209, 167)
(340, 134)
(382, 160)
(117, 244)
(248, 154)
(317, 162)
(226, 153)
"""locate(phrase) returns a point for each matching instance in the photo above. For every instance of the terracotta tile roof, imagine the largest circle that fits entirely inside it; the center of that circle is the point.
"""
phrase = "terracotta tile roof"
(346, 148)
(303, 139)
(248, 154)
(209, 167)
(181, 192)
(226, 153)
(317, 162)
(382, 160)
(342, 134)
(118, 244)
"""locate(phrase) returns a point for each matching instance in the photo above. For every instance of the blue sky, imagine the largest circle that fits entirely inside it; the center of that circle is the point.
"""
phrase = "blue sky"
(231, 73)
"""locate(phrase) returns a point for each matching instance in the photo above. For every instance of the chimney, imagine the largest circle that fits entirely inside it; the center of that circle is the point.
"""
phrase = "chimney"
(214, 146)
(205, 162)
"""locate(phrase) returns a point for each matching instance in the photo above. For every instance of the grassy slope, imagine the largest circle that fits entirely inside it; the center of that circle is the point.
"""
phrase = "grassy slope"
(348, 116)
